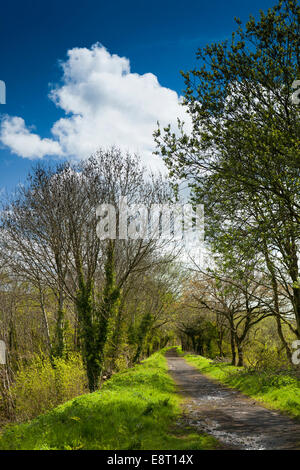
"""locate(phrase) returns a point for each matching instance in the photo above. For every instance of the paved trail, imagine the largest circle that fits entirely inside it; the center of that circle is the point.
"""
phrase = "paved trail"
(235, 420)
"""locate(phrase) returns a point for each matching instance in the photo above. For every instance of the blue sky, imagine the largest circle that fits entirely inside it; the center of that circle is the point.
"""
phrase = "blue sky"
(157, 37)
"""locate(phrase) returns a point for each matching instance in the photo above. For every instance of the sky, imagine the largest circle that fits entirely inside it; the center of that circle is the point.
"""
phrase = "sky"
(83, 75)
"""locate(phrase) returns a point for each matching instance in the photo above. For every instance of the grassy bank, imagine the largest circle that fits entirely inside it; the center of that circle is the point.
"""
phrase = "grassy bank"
(136, 409)
(276, 389)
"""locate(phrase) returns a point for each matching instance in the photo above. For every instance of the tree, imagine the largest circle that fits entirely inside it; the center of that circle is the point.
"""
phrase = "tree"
(51, 240)
(242, 158)
(233, 289)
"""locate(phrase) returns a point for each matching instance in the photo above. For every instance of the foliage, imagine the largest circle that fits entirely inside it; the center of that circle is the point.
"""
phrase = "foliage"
(45, 383)
(134, 410)
(241, 160)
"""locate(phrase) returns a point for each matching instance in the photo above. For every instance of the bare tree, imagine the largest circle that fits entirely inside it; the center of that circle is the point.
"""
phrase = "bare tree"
(50, 238)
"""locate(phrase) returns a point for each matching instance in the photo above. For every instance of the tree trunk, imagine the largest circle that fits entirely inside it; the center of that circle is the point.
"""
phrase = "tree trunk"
(282, 338)
(117, 339)
(276, 306)
(294, 273)
(240, 355)
(45, 320)
(296, 292)
(144, 329)
(232, 345)
(8, 400)
(58, 349)
(220, 344)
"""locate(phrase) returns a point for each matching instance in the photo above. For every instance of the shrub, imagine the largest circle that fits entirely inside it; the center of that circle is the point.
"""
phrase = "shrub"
(42, 385)
(271, 358)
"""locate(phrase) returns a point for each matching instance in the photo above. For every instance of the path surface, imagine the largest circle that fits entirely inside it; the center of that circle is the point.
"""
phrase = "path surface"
(235, 420)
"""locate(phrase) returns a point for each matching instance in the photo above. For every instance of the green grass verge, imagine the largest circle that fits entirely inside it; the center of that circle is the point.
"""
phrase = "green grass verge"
(276, 389)
(136, 409)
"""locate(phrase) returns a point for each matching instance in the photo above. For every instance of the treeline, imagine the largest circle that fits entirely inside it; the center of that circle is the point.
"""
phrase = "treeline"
(242, 161)
(65, 293)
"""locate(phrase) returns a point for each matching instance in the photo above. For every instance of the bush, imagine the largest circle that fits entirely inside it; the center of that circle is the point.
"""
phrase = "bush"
(271, 358)
(43, 385)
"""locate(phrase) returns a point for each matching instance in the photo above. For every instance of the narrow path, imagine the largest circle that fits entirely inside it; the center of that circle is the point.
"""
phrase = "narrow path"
(235, 420)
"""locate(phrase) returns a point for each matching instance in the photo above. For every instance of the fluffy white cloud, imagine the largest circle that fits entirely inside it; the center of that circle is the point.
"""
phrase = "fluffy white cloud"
(24, 143)
(105, 104)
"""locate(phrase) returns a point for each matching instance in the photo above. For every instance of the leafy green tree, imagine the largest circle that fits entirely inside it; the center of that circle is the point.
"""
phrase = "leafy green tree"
(242, 157)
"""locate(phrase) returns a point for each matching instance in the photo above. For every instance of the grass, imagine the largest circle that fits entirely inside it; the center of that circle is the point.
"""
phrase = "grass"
(275, 389)
(136, 409)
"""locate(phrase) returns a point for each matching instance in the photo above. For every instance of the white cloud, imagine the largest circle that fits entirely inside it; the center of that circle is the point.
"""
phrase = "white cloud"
(24, 143)
(105, 104)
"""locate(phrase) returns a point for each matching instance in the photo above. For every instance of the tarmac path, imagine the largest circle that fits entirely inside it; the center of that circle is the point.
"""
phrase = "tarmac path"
(237, 421)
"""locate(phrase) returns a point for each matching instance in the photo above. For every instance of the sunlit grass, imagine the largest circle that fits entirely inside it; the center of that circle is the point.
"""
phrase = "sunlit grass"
(136, 409)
